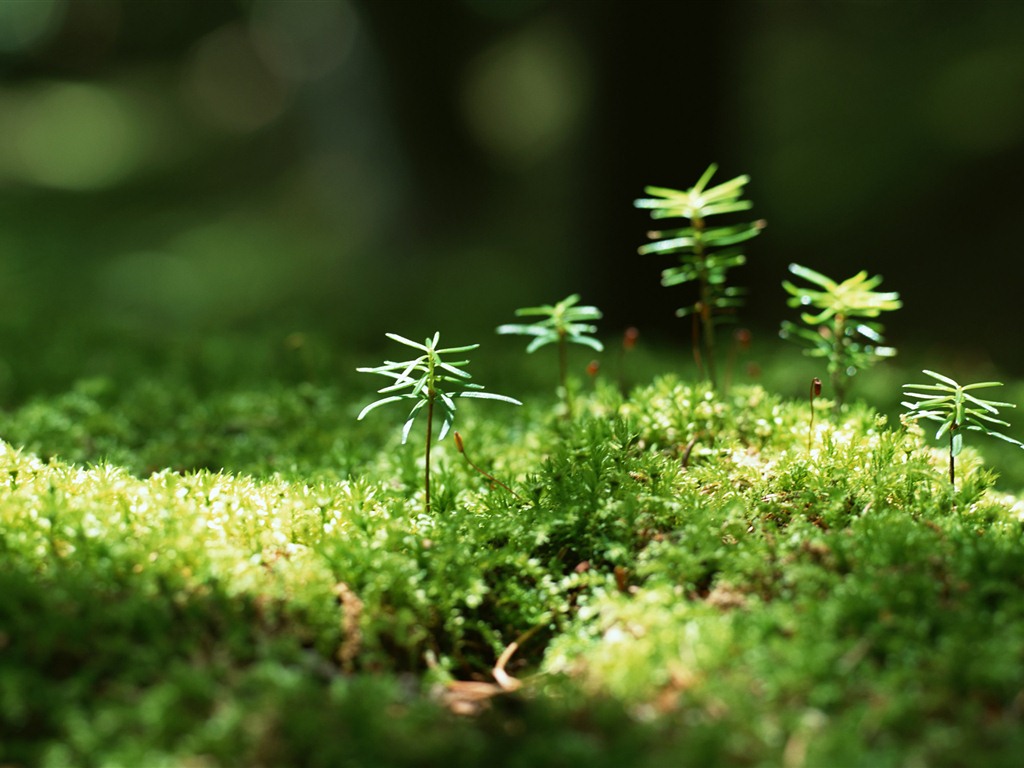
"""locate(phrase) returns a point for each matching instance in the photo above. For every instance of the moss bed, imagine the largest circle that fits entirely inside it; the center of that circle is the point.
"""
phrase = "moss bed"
(207, 575)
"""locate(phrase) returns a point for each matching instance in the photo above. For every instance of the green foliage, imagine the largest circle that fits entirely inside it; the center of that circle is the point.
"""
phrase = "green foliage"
(839, 331)
(706, 252)
(152, 424)
(427, 388)
(563, 323)
(427, 379)
(952, 405)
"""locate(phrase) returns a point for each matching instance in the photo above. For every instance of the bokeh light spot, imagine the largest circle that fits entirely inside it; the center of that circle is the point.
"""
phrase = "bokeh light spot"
(24, 23)
(218, 271)
(302, 41)
(522, 97)
(504, 10)
(75, 136)
(230, 85)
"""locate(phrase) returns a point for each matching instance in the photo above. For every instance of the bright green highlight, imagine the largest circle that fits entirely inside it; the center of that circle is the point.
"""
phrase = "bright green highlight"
(564, 322)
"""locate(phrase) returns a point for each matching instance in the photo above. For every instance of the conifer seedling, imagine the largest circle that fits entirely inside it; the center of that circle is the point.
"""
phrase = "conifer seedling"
(839, 331)
(563, 323)
(706, 253)
(431, 383)
(956, 410)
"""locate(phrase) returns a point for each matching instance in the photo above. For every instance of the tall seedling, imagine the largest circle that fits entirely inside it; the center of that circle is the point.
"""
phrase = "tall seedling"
(706, 253)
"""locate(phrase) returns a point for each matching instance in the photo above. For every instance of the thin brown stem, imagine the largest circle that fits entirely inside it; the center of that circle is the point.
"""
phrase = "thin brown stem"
(708, 327)
(684, 460)
(695, 340)
(704, 308)
(462, 449)
(740, 342)
(952, 460)
(815, 391)
(426, 462)
(836, 365)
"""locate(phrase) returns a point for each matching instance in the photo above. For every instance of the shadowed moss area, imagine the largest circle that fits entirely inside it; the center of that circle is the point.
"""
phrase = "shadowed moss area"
(248, 576)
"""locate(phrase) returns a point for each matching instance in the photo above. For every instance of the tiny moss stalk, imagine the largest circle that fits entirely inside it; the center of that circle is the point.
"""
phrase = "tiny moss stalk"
(461, 447)
(815, 392)
(629, 339)
(740, 343)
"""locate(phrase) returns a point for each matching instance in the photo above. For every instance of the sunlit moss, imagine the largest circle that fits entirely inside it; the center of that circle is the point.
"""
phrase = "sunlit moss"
(736, 597)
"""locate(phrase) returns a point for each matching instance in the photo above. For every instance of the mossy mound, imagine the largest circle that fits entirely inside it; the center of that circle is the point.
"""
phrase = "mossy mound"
(249, 578)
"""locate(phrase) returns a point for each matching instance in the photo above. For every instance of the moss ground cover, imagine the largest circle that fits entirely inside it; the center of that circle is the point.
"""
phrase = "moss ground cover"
(198, 574)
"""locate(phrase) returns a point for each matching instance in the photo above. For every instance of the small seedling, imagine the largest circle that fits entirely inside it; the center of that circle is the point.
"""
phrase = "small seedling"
(706, 253)
(427, 379)
(461, 447)
(956, 410)
(837, 331)
(563, 323)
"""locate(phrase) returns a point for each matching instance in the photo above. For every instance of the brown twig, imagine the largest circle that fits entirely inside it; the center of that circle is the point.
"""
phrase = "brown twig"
(505, 680)
(685, 459)
(462, 449)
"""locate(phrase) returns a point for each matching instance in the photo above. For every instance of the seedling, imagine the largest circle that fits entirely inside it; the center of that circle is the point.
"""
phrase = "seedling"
(837, 331)
(563, 323)
(706, 253)
(427, 379)
(956, 410)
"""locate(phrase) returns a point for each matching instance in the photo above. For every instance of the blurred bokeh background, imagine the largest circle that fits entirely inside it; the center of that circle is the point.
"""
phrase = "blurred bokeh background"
(172, 170)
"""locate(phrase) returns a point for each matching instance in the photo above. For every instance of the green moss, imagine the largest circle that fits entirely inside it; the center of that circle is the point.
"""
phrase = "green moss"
(248, 578)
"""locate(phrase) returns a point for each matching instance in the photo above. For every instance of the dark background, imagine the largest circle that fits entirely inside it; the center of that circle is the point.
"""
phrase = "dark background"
(172, 170)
